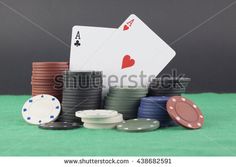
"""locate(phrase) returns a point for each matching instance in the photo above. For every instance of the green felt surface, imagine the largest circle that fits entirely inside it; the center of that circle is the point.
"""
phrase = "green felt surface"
(217, 137)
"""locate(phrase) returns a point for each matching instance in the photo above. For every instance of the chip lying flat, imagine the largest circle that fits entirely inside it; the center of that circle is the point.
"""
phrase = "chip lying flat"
(138, 125)
(59, 125)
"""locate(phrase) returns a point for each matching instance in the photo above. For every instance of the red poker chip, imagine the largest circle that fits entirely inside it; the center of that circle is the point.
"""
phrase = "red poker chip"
(46, 75)
(41, 68)
(42, 83)
(43, 90)
(50, 63)
(185, 112)
(46, 89)
(40, 79)
(42, 72)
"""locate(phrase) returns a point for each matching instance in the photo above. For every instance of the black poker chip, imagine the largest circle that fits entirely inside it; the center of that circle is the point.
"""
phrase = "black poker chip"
(83, 73)
(83, 79)
(73, 109)
(78, 106)
(171, 79)
(66, 114)
(69, 120)
(60, 125)
(168, 86)
(70, 117)
(83, 101)
(82, 91)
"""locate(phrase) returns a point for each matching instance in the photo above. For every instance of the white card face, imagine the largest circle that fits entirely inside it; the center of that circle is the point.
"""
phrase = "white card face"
(134, 48)
(86, 40)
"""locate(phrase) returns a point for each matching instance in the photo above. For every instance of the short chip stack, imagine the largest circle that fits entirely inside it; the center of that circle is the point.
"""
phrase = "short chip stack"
(46, 78)
(154, 107)
(125, 100)
(100, 119)
(82, 91)
(168, 86)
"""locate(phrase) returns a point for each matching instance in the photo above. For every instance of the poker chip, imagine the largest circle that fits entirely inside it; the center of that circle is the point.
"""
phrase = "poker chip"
(125, 100)
(60, 126)
(41, 109)
(99, 126)
(168, 86)
(114, 119)
(138, 125)
(45, 76)
(185, 112)
(127, 89)
(96, 113)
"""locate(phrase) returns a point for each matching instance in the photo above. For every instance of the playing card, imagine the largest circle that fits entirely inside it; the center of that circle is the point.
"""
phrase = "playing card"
(134, 49)
(85, 40)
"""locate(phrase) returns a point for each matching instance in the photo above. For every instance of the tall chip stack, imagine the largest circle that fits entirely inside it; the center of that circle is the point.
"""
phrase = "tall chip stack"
(168, 86)
(47, 78)
(125, 100)
(82, 91)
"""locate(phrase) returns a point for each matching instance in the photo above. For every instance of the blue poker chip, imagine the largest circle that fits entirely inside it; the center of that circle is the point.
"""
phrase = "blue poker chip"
(165, 118)
(163, 122)
(152, 108)
(155, 99)
(153, 104)
(154, 115)
(153, 111)
(160, 110)
(168, 123)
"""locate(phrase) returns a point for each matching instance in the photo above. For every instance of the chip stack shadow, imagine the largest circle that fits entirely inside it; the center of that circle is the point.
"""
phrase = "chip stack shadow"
(125, 100)
(47, 78)
(82, 91)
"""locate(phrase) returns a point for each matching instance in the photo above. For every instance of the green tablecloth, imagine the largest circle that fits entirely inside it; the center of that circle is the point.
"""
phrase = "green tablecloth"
(217, 137)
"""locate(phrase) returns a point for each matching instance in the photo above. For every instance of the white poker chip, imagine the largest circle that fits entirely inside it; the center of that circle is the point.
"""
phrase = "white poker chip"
(96, 113)
(99, 126)
(116, 119)
(41, 109)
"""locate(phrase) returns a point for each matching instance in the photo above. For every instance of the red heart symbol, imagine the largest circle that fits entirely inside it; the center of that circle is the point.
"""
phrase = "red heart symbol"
(127, 62)
(125, 27)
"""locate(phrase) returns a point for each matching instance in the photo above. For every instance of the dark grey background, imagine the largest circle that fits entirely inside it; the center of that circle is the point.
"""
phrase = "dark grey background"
(207, 54)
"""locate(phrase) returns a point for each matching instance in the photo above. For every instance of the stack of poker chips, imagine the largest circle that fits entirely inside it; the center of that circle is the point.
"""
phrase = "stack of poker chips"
(168, 86)
(154, 107)
(46, 78)
(81, 91)
(100, 119)
(125, 100)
